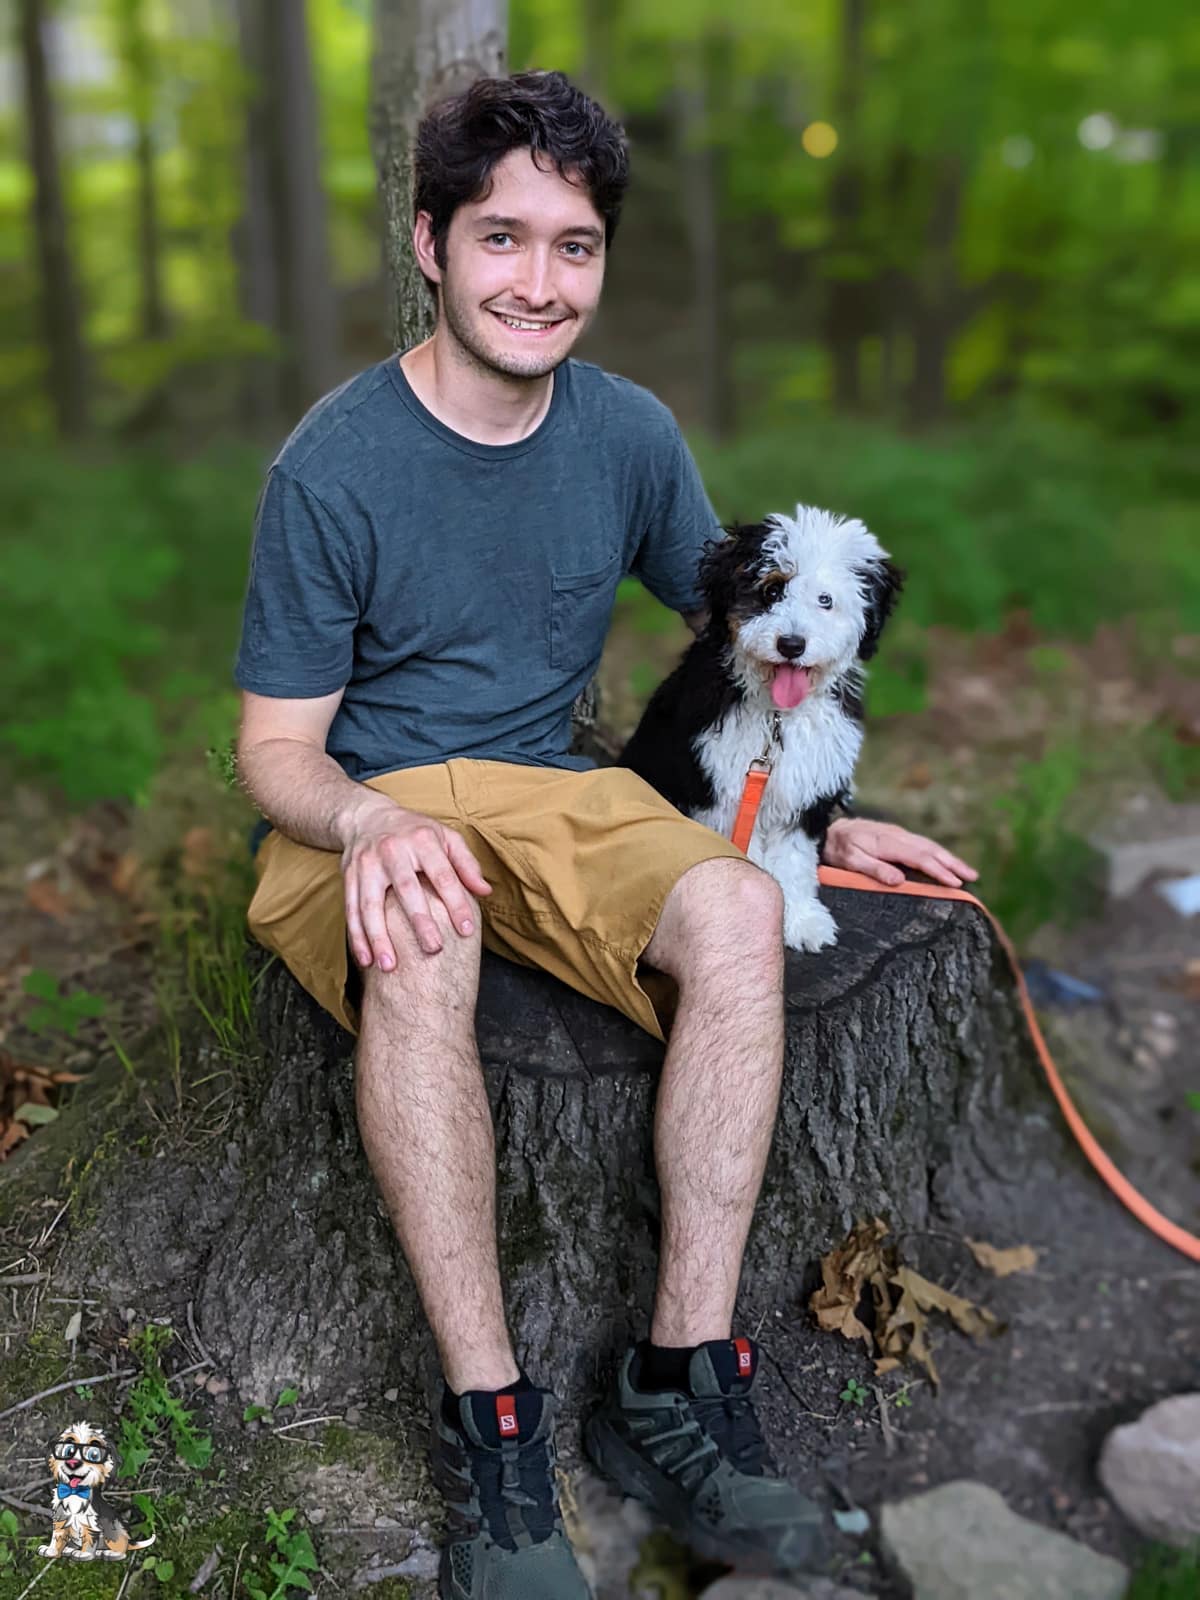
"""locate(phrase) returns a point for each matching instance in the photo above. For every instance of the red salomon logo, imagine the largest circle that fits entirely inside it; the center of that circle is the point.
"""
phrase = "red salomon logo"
(506, 1413)
(742, 1346)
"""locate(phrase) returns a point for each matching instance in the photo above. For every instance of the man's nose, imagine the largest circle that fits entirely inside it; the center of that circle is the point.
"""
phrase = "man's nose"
(533, 282)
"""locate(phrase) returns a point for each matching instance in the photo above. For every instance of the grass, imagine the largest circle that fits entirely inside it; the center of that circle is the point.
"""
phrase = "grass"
(1167, 1575)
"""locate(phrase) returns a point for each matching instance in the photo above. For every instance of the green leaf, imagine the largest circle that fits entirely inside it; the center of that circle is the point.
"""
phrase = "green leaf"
(41, 983)
(32, 1113)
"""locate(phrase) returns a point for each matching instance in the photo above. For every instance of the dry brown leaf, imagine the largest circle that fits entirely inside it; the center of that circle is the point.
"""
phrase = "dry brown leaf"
(123, 876)
(846, 1273)
(974, 1320)
(1017, 1258)
(44, 895)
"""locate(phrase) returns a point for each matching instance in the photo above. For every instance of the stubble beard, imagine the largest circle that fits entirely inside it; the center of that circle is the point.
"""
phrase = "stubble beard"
(464, 321)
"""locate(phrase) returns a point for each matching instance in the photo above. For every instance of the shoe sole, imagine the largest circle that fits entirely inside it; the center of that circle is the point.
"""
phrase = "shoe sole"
(618, 1461)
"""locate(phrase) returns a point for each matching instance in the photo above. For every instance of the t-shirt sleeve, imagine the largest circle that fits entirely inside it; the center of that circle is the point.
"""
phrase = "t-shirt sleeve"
(681, 520)
(300, 610)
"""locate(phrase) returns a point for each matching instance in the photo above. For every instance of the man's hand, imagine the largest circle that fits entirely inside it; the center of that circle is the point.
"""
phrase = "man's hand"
(391, 849)
(875, 848)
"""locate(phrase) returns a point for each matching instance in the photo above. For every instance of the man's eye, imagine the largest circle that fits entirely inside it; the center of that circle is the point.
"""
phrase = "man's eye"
(825, 600)
(492, 236)
(574, 244)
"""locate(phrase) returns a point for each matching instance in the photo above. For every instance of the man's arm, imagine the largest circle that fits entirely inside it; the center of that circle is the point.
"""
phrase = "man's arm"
(283, 766)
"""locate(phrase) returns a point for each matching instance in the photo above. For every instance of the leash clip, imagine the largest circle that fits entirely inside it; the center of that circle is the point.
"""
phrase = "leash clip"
(774, 736)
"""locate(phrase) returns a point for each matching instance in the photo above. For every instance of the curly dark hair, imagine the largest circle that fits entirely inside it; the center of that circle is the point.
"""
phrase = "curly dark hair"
(460, 140)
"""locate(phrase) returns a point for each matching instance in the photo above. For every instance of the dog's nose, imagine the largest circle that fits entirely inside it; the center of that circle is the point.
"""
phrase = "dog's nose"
(791, 645)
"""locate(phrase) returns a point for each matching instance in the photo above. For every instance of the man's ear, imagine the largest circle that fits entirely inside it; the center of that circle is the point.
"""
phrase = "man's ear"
(882, 582)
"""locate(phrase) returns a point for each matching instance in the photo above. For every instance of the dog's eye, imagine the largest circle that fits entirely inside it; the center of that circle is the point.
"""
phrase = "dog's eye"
(93, 1453)
(825, 600)
(773, 590)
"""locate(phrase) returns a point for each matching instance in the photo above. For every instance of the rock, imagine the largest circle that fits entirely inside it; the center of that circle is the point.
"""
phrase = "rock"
(961, 1542)
(1151, 1468)
(352, 1416)
(735, 1587)
(391, 1394)
(606, 1530)
(1161, 837)
(316, 1516)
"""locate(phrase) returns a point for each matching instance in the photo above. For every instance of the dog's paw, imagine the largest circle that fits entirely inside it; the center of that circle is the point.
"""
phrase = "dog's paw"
(45, 1550)
(808, 926)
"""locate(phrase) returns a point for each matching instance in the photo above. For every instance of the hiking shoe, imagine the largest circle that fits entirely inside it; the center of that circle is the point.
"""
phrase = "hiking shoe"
(496, 1471)
(699, 1461)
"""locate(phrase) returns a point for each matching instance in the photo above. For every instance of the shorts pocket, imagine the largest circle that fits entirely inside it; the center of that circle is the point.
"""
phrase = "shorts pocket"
(580, 608)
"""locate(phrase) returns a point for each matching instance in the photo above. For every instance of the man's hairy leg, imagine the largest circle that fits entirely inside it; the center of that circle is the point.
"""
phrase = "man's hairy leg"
(720, 936)
(426, 1126)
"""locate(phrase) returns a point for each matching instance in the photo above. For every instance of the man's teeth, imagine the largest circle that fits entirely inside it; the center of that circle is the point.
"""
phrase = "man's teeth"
(513, 323)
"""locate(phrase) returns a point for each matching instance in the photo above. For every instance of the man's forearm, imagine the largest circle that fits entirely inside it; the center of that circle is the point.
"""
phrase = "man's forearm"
(304, 793)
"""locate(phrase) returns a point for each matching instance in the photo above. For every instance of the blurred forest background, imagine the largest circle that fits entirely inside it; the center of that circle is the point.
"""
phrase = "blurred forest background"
(929, 263)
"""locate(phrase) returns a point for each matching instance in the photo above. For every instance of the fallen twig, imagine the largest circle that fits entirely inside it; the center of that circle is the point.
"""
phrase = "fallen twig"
(101, 1377)
(885, 1422)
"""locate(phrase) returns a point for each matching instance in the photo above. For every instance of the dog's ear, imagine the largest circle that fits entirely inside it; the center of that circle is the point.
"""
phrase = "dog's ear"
(723, 559)
(882, 582)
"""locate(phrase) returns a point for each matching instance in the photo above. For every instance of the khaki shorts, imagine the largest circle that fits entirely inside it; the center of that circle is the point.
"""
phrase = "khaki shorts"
(580, 864)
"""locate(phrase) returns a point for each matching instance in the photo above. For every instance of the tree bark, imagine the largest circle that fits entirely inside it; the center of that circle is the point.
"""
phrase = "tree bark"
(910, 1091)
(254, 234)
(61, 314)
(700, 163)
(424, 51)
(137, 50)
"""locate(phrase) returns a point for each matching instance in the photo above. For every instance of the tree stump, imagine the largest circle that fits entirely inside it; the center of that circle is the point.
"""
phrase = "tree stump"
(909, 1087)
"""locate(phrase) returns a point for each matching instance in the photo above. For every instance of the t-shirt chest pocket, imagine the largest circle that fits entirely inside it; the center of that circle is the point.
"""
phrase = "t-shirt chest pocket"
(580, 607)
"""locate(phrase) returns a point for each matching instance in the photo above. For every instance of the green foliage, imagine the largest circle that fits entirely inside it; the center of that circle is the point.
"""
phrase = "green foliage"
(120, 612)
(1167, 1575)
(150, 1404)
(294, 1560)
(1038, 866)
(58, 1012)
(854, 1393)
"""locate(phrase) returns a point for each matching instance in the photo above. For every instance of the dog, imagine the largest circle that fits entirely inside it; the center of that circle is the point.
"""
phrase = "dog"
(796, 606)
(85, 1525)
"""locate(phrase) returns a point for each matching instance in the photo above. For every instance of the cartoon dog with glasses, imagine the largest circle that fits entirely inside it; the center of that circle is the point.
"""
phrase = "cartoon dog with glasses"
(85, 1525)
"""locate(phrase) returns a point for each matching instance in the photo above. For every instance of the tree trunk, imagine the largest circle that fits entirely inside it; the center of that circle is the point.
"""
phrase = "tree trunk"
(424, 51)
(307, 303)
(910, 1091)
(847, 291)
(700, 165)
(60, 307)
(254, 243)
(137, 51)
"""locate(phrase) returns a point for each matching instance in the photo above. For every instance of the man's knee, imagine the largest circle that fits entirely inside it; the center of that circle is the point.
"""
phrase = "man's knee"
(444, 978)
(713, 904)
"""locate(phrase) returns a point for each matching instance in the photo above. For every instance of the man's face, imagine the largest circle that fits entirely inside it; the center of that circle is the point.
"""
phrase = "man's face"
(533, 251)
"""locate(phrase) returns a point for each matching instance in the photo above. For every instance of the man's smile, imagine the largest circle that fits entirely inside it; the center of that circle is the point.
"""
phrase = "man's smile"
(528, 327)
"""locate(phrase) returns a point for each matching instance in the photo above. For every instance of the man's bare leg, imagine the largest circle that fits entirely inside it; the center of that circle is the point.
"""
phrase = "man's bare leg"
(720, 936)
(426, 1126)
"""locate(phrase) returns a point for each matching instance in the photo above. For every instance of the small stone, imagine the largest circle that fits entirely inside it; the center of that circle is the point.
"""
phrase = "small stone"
(199, 1379)
(352, 1415)
(316, 1515)
(735, 1586)
(217, 1385)
(386, 1522)
(391, 1394)
(1151, 1468)
(961, 1542)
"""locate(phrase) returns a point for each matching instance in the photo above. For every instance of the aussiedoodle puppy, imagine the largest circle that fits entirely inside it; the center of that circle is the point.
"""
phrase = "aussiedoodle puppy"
(796, 606)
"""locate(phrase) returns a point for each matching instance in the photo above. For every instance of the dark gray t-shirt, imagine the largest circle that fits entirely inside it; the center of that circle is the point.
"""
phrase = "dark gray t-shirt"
(461, 592)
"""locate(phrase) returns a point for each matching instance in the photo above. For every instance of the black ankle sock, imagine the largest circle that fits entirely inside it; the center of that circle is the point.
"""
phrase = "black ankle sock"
(450, 1400)
(663, 1366)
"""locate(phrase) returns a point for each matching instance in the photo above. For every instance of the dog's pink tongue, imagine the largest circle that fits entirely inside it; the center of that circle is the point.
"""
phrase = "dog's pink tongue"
(789, 686)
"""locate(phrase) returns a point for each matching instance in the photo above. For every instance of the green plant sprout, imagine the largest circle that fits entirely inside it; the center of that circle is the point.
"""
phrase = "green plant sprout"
(59, 1013)
(287, 1397)
(854, 1392)
(298, 1558)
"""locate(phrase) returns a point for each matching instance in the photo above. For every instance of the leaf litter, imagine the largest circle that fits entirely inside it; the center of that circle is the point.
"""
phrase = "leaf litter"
(865, 1275)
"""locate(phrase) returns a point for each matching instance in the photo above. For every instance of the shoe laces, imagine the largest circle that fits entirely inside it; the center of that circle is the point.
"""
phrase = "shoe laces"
(731, 1422)
(518, 1497)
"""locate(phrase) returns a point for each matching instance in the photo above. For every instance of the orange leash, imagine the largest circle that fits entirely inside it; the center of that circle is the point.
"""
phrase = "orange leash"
(1171, 1232)
(840, 878)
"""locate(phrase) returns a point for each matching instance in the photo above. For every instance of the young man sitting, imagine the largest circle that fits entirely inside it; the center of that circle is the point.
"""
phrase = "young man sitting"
(436, 555)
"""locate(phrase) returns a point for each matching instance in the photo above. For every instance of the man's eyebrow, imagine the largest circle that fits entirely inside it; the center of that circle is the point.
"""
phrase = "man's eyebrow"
(594, 234)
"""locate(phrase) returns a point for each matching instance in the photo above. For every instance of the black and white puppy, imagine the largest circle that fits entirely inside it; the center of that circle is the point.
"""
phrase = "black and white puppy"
(796, 605)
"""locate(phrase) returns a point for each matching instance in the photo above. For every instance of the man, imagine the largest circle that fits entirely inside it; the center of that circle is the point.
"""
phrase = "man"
(436, 555)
